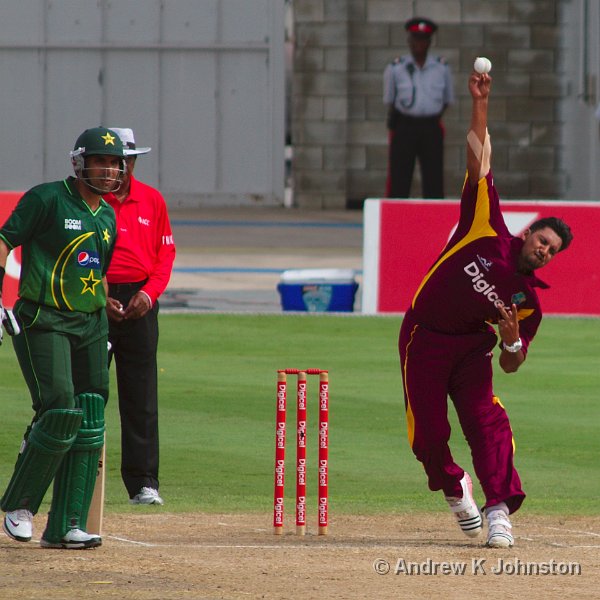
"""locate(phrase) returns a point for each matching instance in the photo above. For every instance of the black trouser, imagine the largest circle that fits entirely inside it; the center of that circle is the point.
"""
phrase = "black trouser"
(134, 345)
(422, 138)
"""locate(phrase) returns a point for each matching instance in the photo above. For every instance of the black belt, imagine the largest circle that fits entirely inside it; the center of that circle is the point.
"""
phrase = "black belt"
(127, 287)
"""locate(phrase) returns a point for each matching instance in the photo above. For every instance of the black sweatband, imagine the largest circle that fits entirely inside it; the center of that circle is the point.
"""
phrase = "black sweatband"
(2, 271)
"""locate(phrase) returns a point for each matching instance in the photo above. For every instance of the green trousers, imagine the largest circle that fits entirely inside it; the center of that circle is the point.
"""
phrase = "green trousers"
(61, 354)
(64, 360)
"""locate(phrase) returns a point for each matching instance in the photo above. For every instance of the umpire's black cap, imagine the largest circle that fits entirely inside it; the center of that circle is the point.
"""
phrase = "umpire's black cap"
(420, 27)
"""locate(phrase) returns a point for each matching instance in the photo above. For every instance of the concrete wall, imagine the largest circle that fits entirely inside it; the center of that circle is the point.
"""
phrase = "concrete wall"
(580, 66)
(201, 82)
(338, 124)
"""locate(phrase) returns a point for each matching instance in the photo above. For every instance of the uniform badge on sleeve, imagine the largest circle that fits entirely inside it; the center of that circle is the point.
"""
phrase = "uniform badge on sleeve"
(518, 298)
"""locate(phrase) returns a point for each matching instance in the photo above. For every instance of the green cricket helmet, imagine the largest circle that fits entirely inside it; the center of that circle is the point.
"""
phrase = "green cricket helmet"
(98, 140)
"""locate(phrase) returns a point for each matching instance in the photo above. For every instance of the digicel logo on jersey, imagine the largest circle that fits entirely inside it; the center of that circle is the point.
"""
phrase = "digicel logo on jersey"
(88, 259)
(481, 285)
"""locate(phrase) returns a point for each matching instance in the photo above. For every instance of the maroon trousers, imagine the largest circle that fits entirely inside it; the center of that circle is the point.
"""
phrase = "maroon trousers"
(435, 366)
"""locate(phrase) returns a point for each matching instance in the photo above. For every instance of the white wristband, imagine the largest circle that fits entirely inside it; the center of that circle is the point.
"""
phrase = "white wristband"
(513, 348)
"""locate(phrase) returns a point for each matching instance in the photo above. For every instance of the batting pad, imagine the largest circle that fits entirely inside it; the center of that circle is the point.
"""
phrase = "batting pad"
(75, 480)
(49, 440)
(482, 152)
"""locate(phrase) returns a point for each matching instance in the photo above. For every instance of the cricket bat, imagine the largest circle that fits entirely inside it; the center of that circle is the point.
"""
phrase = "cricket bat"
(96, 512)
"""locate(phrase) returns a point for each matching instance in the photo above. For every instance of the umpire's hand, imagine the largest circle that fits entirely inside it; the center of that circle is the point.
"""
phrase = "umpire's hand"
(138, 306)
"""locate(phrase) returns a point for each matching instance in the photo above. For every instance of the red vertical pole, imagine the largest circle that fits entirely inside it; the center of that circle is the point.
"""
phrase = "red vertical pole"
(323, 452)
(280, 453)
(301, 454)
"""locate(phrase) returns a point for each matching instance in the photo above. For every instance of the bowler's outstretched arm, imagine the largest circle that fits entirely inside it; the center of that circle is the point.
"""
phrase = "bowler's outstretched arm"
(479, 87)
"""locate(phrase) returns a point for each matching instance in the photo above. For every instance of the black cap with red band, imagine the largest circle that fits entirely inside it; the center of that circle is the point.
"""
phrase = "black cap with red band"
(420, 27)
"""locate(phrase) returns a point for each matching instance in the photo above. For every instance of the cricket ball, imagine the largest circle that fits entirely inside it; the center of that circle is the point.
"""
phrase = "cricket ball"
(482, 64)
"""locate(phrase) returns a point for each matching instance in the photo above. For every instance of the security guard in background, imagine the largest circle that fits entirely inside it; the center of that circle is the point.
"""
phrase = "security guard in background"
(417, 90)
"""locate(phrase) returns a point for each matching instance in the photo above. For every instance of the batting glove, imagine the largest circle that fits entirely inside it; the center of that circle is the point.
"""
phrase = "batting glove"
(1, 307)
(7, 319)
(9, 322)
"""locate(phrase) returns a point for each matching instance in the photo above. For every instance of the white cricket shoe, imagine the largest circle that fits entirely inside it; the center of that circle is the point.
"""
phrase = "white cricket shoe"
(465, 509)
(18, 524)
(499, 529)
(74, 539)
(147, 495)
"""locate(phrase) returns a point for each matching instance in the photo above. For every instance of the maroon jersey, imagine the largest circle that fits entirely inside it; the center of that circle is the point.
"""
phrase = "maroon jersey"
(477, 272)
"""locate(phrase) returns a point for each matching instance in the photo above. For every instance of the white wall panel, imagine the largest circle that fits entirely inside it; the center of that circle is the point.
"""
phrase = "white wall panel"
(191, 21)
(188, 123)
(134, 101)
(73, 21)
(21, 21)
(201, 82)
(130, 21)
(245, 21)
(244, 103)
(22, 119)
(72, 103)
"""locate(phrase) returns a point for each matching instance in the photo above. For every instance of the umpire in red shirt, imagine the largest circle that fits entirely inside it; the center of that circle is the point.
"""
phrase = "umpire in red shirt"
(138, 274)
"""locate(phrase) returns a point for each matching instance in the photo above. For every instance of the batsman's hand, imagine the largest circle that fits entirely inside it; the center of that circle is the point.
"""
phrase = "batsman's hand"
(114, 310)
(2, 273)
(8, 322)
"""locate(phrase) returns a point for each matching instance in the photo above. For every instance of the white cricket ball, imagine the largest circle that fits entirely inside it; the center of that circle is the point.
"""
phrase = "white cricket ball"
(482, 64)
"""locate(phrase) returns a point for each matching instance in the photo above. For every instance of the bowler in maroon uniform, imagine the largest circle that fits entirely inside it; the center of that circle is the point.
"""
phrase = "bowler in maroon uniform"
(483, 277)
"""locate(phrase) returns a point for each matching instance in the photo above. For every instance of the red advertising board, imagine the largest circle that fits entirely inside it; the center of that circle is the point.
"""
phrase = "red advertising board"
(402, 239)
(8, 200)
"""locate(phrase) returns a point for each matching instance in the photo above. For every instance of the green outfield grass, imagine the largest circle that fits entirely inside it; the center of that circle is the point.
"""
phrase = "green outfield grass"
(217, 398)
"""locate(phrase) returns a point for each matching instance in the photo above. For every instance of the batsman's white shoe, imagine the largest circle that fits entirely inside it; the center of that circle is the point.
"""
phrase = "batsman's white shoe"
(466, 511)
(74, 539)
(18, 524)
(147, 495)
(499, 529)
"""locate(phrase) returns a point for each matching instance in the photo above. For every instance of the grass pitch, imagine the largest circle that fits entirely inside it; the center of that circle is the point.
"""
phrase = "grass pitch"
(217, 376)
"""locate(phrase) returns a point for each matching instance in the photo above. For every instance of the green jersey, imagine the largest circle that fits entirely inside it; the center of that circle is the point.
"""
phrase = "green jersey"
(65, 246)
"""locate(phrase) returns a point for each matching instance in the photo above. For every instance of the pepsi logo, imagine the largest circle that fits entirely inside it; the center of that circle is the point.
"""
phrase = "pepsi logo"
(86, 259)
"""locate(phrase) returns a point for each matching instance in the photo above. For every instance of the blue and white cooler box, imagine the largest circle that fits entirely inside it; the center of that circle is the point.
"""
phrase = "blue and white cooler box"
(318, 290)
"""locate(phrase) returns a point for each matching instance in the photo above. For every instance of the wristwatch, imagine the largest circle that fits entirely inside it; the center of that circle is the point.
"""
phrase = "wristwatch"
(513, 348)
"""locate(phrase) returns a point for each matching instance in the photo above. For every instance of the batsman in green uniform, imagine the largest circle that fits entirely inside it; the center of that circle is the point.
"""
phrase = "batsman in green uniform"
(66, 232)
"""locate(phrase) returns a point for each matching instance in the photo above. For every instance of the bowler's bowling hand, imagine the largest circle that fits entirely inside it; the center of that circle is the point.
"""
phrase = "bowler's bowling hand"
(479, 85)
(508, 325)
